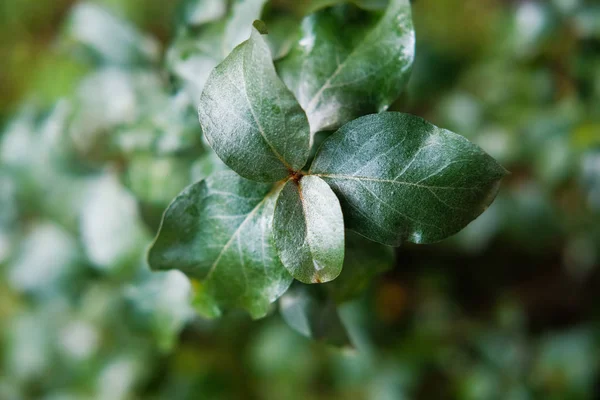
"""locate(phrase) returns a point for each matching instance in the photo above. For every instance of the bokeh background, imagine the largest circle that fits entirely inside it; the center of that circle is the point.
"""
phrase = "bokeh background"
(95, 140)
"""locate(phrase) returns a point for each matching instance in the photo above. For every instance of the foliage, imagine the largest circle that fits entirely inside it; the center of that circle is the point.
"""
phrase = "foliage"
(95, 154)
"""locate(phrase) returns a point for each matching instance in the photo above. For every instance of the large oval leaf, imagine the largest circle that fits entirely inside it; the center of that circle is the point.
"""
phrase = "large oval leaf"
(399, 177)
(348, 63)
(308, 228)
(220, 232)
(251, 120)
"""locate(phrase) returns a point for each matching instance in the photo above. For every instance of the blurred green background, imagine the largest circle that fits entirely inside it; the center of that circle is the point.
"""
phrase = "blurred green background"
(96, 140)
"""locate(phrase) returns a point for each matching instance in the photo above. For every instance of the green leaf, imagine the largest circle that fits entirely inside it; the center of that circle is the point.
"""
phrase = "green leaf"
(310, 6)
(364, 260)
(348, 63)
(309, 312)
(250, 118)
(219, 231)
(308, 227)
(193, 55)
(196, 52)
(198, 12)
(107, 38)
(399, 178)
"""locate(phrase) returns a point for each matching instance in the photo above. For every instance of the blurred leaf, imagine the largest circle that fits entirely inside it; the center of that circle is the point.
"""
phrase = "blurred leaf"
(111, 229)
(349, 63)
(164, 300)
(239, 23)
(198, 12)
(46, 260)
(107, 38)
(364, 260)
(306, 311)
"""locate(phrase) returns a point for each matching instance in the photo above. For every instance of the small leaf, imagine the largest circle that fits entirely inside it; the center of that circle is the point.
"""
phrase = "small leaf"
(309, 230)
(399, 178)
(219, 231)
(363, 261)
(250, 118)
(348, 64)
(306, 310)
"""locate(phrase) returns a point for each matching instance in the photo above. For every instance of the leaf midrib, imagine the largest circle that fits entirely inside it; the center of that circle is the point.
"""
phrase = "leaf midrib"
(238, 230)
(310, 107)
(370, 179)
(258, 124)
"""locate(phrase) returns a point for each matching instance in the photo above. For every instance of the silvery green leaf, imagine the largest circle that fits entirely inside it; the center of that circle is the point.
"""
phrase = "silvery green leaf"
(108, 38)
(46, 259)
(193, 55)
(198, 12)
(157, 180)
(309, 312)
(311, 6)
(219, 231)
(350, 62)
(163, 301)
(196, 52)
(250, 118)
(399, 178)
(107, 99)
(112, 232)
(308, 228)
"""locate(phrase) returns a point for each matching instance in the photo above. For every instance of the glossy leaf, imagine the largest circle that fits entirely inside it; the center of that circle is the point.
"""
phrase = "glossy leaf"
(219, 231)
(348, 63)
(364, 260)
(250, 118)
(400, 178)
(308, 227)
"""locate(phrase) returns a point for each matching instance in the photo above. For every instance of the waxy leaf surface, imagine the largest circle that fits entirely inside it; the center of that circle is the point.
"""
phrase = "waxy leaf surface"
(219, 231)
(350, 62)
(251, 120)
(309, 230)
(399, 178)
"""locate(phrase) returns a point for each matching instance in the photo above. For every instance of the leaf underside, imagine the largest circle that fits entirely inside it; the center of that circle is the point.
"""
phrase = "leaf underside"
(309, 230)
